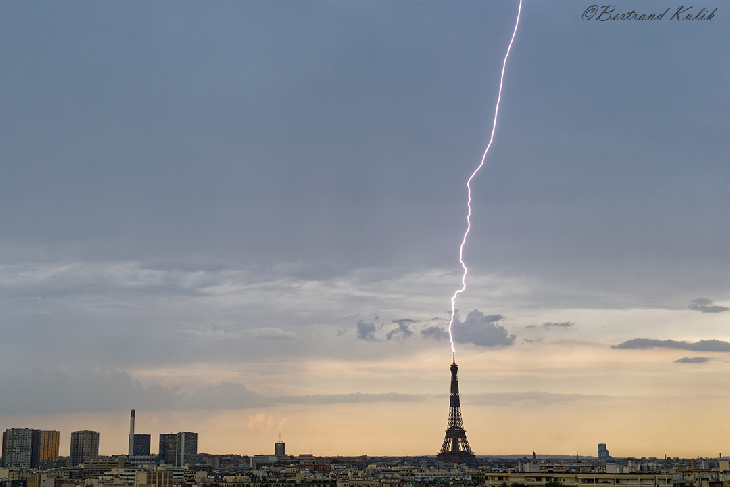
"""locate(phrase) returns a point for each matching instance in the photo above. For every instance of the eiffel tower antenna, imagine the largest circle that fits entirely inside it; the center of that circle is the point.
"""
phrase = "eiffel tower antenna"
(456, 447)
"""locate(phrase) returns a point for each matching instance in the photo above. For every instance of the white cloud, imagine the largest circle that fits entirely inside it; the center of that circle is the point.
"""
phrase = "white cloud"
(481, 330)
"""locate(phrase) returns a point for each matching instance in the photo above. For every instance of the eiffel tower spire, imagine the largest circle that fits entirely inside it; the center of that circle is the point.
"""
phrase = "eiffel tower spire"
(456, 447)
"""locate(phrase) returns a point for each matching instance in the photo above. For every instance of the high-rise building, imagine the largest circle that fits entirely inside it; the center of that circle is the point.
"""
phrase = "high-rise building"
(141, 444)
(602, 451)
(187, 448)
(84, 446)
(35, 449)
(455, 448)
(168, 448)
(49, 447)
(280, 448)
(21, 448)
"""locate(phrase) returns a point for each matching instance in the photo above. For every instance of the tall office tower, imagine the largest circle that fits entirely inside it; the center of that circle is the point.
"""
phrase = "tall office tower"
(602, 452)
(455, 448)
(168, 448)
(187, 448)
(21, 447)
(141, 444)
(280, 448)
(35, 449)
(131, 434)
(84, 446)
(49, 447)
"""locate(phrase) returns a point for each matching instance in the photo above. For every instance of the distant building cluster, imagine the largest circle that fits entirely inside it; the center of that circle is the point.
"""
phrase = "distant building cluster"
(30, 459)
(205, 470)
(29, 448)
(26, 448)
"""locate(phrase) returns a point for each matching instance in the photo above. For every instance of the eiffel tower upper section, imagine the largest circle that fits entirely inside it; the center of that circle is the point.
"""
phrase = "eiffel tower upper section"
(456, 447)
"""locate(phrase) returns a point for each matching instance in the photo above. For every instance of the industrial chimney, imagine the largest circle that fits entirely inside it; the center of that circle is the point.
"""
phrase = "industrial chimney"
(131, 434)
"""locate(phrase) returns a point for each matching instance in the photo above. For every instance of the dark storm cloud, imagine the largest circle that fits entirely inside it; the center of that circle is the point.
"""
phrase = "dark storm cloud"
(705, 305)
(435, 332)
(148, 156)
(131, 173)
(366, 331)
(402, 332)
(564, 324)
(693, 360)
(700, 346)
(482, 330)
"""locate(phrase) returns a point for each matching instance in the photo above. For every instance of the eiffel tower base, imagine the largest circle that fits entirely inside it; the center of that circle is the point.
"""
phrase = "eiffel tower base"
(458, 457)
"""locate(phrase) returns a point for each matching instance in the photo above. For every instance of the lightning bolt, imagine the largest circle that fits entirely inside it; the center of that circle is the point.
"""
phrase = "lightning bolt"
(468, 185)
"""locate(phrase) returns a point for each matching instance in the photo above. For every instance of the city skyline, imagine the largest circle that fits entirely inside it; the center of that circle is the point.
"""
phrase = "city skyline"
(42, 451)
(243, 219)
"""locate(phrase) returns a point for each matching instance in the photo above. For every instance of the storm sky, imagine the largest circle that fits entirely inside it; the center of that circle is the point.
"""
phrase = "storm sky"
(243, 219)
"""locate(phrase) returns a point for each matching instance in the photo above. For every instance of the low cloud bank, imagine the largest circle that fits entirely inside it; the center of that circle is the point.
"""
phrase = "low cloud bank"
(700, 346)
(110, 390)
(564, 324)
(693, 360)
(705, 305)
(529, 399)
(356, 397)
(212, 332)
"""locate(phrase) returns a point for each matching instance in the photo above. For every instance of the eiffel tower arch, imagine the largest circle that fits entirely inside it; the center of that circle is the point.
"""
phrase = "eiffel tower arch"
(456, 448)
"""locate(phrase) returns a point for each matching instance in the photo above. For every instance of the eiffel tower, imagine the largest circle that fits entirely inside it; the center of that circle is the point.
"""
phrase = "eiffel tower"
(456, 448)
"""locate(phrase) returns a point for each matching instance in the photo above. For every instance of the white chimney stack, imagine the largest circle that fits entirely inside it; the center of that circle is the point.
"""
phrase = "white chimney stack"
(131, 434)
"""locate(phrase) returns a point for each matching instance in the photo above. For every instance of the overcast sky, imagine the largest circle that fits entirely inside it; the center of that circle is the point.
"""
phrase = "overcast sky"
(243, 219)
